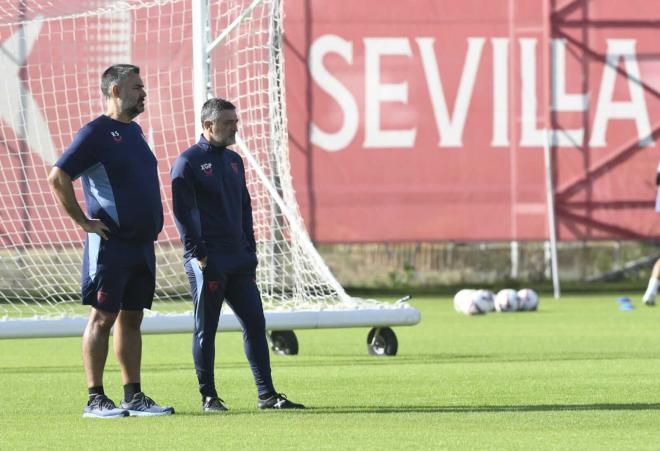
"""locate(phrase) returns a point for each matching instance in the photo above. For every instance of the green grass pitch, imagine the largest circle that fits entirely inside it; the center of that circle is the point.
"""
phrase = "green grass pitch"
(577, 374)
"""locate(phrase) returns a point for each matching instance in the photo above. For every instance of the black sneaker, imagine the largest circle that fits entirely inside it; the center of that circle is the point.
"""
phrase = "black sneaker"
(278, 401)
(143, 406)
(100, 406)
(213, 404)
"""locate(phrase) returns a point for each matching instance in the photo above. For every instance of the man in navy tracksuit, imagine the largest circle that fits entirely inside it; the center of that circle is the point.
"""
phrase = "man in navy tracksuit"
(213, 213)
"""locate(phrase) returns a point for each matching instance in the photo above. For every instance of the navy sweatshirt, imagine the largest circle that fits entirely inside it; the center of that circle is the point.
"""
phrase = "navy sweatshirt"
(119, 177)
(212, 207)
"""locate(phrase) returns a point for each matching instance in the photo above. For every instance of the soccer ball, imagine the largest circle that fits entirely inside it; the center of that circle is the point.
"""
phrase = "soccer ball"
(485, 300)
(529, 300)
(469, 302)
(474, 302)
(463, 301)
(507, 300)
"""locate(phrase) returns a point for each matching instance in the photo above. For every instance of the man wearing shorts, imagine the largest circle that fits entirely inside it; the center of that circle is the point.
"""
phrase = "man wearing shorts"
(124, 216)
(654, 280)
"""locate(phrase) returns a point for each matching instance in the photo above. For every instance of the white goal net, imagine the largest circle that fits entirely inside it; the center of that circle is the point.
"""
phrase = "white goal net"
(52, 55)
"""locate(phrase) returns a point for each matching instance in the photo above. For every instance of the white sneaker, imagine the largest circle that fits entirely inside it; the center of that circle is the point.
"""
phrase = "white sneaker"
(649, 300)
(100, 406)
(143, 406)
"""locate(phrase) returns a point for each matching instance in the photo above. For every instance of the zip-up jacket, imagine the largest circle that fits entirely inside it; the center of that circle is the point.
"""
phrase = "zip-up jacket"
(212, 206)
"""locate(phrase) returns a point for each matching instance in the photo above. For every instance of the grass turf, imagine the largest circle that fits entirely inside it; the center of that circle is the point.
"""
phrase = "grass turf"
(578, 374)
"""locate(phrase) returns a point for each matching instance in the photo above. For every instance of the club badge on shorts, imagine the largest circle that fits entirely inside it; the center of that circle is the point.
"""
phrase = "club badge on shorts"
(101, 296)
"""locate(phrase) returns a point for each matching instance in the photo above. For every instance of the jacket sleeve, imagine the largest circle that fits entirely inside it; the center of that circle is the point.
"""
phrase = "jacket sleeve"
(186, 211)
(248, 225)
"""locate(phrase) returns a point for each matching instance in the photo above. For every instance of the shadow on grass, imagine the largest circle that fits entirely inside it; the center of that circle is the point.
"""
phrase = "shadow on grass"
(385, 410)
(482, 409)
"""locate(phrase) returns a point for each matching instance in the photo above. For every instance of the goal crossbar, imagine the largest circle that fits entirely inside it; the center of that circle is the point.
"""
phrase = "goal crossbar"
(403, 315)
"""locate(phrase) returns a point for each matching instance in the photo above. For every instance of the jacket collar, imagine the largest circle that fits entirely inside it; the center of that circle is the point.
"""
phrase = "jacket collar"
(207, 146)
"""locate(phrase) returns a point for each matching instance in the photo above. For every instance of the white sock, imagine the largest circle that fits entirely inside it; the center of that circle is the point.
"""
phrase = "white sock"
(652, 289)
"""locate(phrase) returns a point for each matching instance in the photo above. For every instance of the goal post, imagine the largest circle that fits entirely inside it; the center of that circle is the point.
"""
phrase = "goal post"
(188, 50)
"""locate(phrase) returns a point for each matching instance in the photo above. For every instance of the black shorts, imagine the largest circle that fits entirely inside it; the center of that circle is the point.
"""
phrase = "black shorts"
(118, 275)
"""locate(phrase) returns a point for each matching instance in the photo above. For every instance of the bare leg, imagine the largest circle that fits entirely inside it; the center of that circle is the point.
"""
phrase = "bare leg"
(652, 289)
(95, 345)
(128, 345)
(655, 273)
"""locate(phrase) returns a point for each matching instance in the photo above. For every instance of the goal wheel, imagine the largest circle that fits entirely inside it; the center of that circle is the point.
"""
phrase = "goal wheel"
(284, 342)
(382, 341)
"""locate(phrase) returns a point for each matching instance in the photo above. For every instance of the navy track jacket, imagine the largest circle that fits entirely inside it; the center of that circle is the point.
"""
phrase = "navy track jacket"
(212, 206)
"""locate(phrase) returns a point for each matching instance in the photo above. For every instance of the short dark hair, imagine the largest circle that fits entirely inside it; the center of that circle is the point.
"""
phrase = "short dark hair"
(116, 75)
(212, 107)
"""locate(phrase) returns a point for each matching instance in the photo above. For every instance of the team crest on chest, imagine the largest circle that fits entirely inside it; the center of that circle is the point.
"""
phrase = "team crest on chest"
(207, 169)
(116, 136)
(234, 166)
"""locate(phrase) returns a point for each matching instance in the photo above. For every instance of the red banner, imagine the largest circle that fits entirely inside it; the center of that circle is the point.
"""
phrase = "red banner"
(425, 120)
(418, 120)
